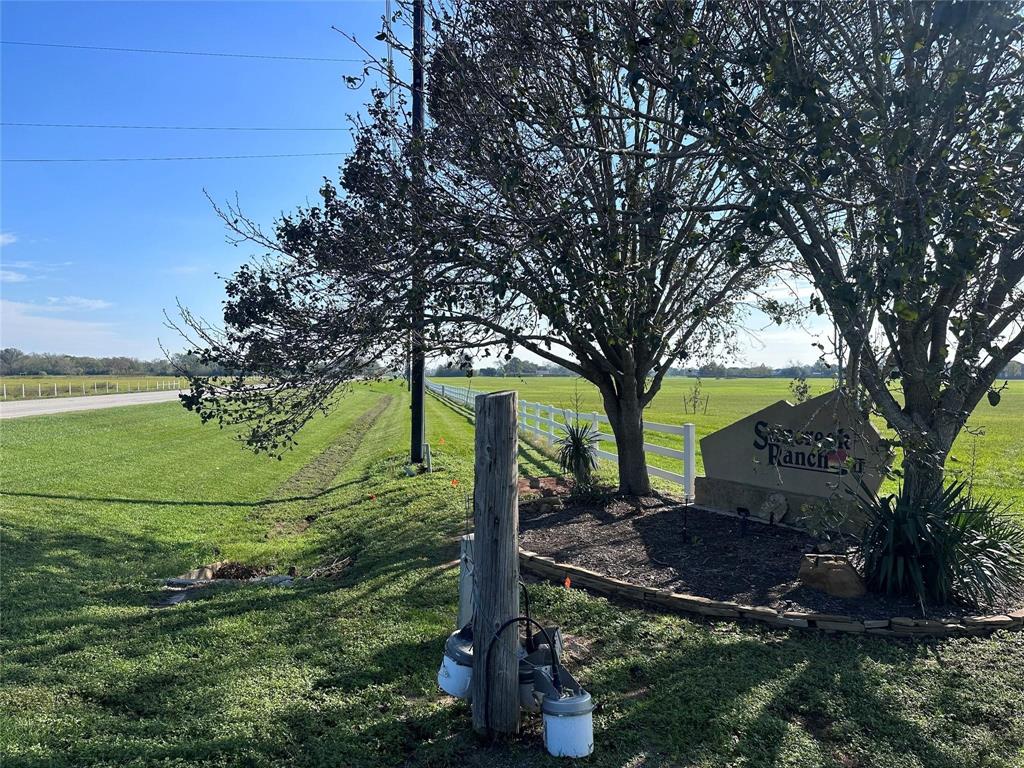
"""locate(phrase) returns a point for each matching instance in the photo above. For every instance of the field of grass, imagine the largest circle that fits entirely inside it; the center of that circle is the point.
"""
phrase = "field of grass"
(35, 387)
(343, 673)
(996, 456)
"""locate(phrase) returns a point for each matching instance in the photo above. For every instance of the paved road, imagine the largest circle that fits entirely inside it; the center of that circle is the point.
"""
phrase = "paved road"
(19, 408)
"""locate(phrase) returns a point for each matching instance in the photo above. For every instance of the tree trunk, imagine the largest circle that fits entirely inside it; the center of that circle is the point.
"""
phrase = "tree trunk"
(923, 470)
(627, 419)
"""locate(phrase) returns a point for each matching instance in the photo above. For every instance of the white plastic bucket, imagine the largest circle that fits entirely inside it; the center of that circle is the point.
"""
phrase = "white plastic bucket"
(456, 670)
(454, 678)
(569, 725)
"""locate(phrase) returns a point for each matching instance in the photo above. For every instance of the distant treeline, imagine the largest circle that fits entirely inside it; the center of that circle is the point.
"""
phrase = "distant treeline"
(14, 362)
(516, 368)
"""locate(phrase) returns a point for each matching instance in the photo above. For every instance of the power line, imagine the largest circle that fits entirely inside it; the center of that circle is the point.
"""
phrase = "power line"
(167, 127)
(157, 159)
(177, 53)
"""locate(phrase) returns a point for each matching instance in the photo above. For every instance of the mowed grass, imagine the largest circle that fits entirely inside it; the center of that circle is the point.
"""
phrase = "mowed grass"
(35, 387)
(96, 505)
(992, 450)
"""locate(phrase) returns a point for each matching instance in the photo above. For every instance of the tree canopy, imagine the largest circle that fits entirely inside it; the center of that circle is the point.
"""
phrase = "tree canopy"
(884, 141)
(565, 209)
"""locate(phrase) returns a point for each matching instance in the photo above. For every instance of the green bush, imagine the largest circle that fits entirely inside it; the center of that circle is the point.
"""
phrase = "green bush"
(576, 454)
(954, 549)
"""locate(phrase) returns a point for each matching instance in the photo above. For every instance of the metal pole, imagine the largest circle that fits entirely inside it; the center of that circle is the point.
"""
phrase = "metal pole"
(418, 326)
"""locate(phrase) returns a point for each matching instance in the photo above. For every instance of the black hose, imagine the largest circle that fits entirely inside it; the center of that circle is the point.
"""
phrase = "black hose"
(531, 646)
(487, 663)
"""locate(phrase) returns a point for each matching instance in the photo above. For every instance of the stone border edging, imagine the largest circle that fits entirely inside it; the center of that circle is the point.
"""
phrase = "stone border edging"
(898, 626)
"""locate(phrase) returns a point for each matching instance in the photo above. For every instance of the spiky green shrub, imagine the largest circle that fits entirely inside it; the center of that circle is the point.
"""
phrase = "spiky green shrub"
(577, 454)
(953, 549)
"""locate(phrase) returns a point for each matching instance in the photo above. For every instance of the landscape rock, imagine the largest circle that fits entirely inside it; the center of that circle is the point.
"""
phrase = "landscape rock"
(996, 621)
(775, 508)
(841, 626)
(831, 574)
(203, 572)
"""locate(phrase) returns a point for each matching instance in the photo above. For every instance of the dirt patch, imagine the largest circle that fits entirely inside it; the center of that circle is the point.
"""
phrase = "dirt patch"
(241, 571)
(543, 486)
(331, 569)
(659, 542)
(315, 479)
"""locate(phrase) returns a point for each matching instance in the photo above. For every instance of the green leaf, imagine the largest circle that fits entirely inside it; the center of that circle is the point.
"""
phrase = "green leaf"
(904, 311)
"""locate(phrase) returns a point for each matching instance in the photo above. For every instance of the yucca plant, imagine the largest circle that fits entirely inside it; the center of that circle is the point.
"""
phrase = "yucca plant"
(951, 549)
(577, 453)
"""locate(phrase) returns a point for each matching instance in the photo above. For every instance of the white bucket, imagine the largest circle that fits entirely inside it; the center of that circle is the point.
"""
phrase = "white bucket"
(569, 725)
(454, 678)
(456, 670)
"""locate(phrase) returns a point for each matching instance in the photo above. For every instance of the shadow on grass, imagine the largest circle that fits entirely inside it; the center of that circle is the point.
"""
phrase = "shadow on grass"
(200, 685)
(711, 703)
(177, 502)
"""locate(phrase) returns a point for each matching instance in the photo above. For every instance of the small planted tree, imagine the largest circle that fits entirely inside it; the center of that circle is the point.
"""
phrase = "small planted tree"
(577, 454)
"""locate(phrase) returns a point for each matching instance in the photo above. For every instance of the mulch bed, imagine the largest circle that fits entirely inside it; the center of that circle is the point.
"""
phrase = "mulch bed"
(232, 570)
(657, 542)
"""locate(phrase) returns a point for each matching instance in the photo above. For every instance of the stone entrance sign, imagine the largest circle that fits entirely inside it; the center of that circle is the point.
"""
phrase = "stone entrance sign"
(782, 458)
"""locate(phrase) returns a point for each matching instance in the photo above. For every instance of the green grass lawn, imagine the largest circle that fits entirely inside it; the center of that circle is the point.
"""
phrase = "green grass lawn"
(96, 505)
(996, 455)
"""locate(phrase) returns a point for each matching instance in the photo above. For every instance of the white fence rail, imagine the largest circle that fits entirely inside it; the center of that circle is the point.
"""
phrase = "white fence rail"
(542, 421)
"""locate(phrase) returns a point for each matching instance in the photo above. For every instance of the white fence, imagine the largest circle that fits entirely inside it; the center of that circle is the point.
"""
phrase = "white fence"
(542, 421)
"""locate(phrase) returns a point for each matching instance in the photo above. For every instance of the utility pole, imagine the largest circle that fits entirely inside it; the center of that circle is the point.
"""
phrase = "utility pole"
(418, 326)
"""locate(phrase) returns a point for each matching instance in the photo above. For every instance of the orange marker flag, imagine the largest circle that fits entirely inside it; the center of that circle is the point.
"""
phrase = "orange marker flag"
(455, 482)
(440, 441)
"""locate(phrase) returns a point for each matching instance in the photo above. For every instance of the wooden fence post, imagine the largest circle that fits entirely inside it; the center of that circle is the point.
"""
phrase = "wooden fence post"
(495, 550)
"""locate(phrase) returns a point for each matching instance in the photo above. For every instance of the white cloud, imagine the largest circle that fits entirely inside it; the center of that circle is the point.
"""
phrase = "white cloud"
(182, 269)
(67, 303)
(20, 271)
(7, 238)
(28, 327)
(7, 276)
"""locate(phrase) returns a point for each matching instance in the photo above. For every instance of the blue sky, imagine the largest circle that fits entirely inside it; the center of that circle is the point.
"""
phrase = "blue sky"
(93, 253)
